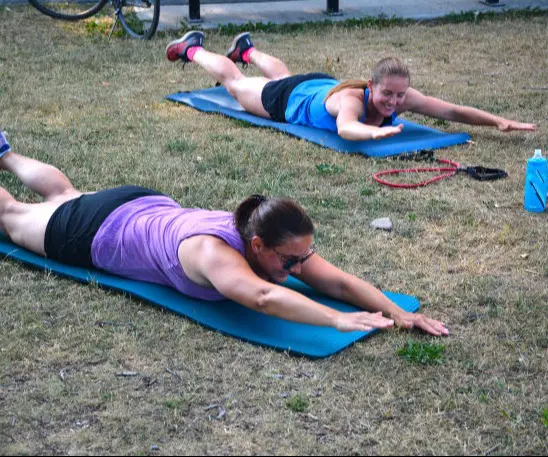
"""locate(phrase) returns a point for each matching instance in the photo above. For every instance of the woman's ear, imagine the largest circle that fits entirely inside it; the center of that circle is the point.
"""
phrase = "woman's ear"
(257, 244)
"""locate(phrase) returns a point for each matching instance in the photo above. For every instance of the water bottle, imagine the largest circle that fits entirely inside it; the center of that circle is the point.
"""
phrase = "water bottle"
(4, 145)
(536, 183)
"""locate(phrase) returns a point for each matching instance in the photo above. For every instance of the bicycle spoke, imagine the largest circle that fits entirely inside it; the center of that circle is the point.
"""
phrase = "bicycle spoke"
(139, 18)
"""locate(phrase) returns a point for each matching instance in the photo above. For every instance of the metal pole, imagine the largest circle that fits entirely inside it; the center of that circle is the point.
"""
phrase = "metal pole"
(194, 10)
(332, 6)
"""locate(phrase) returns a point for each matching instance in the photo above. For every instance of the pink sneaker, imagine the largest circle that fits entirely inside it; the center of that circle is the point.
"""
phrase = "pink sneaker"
(177, 49)
(239, 45)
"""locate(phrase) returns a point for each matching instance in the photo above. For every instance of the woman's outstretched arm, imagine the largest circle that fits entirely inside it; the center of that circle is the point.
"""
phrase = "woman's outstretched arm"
(332, 281)
(434, 107)
(230, 274)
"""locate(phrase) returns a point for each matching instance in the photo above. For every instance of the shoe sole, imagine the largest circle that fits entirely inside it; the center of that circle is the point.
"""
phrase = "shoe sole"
(184, 38)
(234, 42)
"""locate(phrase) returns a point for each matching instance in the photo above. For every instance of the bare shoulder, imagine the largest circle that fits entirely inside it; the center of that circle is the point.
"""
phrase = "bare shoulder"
(347, 100)
(201, 255)
(206, 246)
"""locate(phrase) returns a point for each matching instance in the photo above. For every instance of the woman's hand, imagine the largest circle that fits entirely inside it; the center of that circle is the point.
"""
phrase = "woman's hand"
(385, 132)
(410, 320)
(362, 321)
(507, 126)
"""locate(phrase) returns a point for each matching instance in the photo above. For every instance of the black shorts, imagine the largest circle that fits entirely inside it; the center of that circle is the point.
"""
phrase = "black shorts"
(73, 226)
(276, 93)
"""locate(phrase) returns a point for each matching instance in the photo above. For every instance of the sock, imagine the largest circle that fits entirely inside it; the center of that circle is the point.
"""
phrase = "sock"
(245, 55)
(4, 145)
(191, 51)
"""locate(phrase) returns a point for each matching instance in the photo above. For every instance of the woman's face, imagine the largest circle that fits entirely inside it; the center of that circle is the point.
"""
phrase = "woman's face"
(277, 263)
(389, 94)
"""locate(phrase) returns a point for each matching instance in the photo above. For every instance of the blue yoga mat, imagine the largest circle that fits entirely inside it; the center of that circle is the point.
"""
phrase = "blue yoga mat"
(225, 316)
(413, 138)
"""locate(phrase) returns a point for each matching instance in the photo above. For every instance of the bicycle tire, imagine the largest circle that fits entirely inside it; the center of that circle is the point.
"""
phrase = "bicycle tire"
(139, 18)
(57, 10)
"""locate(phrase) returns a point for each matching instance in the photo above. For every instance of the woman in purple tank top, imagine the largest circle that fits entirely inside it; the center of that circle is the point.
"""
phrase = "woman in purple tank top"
(356, 110)
(207, 254)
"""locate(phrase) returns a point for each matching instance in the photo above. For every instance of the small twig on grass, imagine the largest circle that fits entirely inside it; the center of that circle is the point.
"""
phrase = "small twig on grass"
(13, 421)
(62, 374)
(492, 449)
(115, 324)
(174, 373)
(220, 407)
(127, 373)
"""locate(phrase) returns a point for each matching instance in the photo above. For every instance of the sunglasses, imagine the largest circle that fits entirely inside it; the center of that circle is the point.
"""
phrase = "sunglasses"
(289, 263)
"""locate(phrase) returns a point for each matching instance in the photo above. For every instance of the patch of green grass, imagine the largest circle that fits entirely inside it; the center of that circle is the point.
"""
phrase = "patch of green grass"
(329, 169)
(102, 25)
(298, 403)
(544, 417)
(367, 191)
(422, 353)
(333, 203)
(180, 146)
(441, 123)
(173, 403)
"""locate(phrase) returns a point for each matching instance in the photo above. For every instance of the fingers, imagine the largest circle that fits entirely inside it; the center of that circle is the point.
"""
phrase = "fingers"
(434, 327)
(431, 326)
(387, 132)
(362, 321)
(511, 126)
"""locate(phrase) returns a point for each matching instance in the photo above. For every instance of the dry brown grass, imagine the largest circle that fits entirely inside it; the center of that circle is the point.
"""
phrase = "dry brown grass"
(467, 249)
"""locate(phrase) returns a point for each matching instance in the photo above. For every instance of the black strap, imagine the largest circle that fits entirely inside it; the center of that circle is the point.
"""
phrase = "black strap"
(426, 155)
(483, 173)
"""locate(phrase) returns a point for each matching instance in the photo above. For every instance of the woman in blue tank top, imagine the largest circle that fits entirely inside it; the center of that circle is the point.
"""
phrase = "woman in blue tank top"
(356, 109)
(141, 234)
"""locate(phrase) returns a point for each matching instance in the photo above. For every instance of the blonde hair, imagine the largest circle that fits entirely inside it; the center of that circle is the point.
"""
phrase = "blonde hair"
(390, 66)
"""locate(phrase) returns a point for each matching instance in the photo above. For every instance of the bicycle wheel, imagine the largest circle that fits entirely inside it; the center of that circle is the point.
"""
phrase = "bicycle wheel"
(68, 10)
(139, 18)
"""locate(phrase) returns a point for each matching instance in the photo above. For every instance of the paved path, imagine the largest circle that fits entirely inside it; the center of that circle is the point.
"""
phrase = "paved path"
(314, 10)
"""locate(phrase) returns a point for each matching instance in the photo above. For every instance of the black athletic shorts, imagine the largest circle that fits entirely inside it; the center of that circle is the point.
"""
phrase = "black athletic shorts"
(73, 226)
(276, 93)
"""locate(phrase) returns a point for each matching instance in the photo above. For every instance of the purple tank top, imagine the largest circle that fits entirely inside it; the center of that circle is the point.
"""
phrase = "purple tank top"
(140, 240)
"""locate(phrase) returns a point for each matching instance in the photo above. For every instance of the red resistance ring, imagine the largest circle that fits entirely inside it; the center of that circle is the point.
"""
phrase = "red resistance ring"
(447, 173)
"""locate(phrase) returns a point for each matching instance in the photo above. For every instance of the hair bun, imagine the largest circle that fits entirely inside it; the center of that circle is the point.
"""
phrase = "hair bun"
(259, 198)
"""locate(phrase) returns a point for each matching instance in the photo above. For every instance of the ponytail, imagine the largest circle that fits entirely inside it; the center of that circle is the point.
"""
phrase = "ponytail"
(274, 220)
(351, 84)
(243, 213)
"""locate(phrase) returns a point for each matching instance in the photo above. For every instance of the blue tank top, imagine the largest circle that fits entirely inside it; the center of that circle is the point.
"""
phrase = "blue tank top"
(306, 106)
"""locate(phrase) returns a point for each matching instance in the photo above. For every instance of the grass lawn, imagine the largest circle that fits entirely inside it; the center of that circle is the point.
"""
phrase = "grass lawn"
(467, 249)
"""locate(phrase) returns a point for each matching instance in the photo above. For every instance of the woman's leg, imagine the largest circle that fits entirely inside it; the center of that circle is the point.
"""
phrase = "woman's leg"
(25, 223)
(246, 90)
(44, 179)
(242, 50)
(271, 67)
